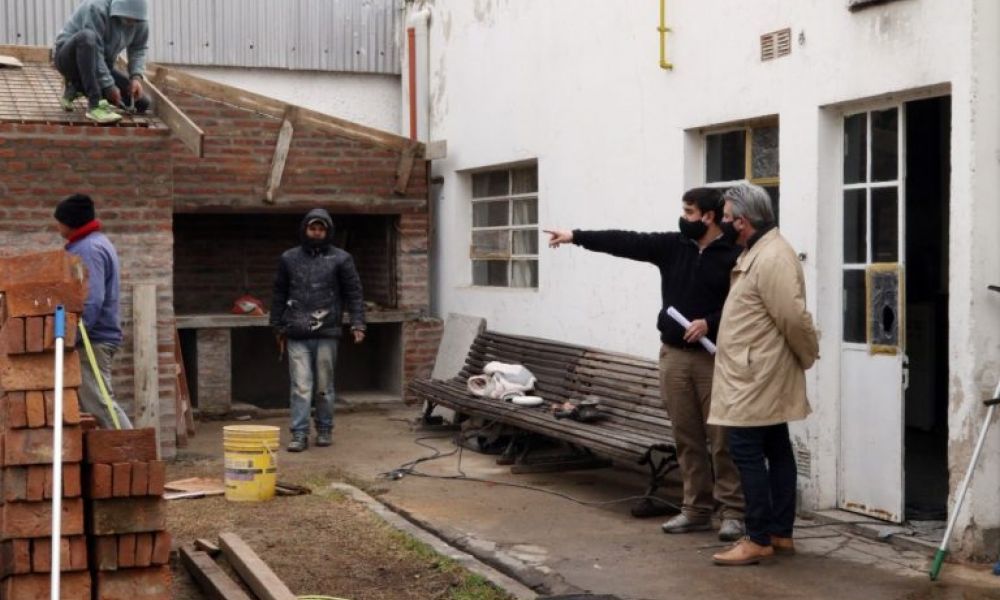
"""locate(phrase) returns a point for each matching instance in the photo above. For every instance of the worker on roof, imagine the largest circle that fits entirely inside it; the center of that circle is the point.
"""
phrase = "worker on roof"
(86, 51)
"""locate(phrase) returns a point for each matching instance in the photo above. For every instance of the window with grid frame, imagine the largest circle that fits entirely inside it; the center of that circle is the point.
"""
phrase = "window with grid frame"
(747, 153)
(504, 249)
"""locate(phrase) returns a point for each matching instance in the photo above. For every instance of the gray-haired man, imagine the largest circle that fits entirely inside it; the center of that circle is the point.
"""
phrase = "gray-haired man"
(766, 342)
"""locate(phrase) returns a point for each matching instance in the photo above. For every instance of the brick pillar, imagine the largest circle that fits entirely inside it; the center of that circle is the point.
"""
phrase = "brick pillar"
(215, 371)
(420, 344)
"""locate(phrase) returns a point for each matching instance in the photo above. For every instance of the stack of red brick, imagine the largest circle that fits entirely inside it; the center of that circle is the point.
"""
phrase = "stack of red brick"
(127, 515)
(31, 289)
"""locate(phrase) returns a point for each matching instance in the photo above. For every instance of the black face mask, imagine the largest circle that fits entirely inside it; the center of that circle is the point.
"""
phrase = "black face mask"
(692, 229)
(729, 232)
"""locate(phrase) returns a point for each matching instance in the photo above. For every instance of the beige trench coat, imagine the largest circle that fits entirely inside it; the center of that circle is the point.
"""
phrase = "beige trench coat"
(766, 340)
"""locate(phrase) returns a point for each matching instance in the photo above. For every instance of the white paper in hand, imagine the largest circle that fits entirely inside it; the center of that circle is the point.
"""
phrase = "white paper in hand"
(683, 322)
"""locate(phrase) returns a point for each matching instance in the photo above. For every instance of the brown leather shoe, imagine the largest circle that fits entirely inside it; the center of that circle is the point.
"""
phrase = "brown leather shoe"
(782, 545)
(743, 552)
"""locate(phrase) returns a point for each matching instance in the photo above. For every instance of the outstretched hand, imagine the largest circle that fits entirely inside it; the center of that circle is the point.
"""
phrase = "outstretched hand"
(557, 237)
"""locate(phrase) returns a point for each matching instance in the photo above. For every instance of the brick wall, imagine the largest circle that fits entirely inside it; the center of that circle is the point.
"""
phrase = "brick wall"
(420, 343)
(215, 256)
(321, 170)
(128, 173)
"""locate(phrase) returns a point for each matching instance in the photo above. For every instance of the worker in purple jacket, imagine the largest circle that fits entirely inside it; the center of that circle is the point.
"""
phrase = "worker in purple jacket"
(82, 231)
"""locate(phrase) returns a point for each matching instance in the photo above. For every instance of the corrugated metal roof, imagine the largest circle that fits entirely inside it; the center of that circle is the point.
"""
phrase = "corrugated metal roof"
(324, 35)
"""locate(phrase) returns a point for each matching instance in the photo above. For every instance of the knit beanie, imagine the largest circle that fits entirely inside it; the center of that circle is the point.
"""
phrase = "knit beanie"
(76, 211)
(130, 9)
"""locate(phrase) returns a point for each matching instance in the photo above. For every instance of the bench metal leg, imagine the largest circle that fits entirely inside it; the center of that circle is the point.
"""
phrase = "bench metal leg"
(659, 466)
(428, 421)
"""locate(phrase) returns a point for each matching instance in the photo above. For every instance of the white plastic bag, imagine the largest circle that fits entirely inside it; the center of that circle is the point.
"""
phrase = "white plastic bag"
(500, 379)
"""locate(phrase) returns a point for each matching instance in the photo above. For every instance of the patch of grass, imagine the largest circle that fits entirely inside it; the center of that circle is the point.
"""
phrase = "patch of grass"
(469, 587)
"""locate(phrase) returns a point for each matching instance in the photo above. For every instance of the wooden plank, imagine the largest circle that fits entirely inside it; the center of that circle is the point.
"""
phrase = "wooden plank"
(28, 54)
(185, 416)
(281, 149)
(210, 577)
(179, 123)
(145, 358)
(403, 172)
(207, 546)
(254, 571)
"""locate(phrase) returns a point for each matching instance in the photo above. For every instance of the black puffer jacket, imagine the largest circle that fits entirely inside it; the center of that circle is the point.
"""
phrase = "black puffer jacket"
(315, 282)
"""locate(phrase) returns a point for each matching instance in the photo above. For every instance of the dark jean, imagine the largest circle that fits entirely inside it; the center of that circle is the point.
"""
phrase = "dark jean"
(76, 60)
(766, 463)
(310, 367)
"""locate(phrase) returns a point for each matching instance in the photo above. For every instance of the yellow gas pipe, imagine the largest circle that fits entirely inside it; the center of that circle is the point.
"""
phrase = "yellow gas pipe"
(663, 29)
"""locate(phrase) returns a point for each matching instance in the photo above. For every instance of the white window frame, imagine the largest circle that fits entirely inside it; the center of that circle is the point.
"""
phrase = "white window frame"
(511, 199)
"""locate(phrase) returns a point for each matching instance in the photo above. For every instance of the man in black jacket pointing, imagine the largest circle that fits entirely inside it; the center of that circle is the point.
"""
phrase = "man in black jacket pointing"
(694, 269)
(316, 281)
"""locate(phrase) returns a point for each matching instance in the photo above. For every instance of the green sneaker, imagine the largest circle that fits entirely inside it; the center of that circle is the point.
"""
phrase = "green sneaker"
(67, 99)
(102, 114)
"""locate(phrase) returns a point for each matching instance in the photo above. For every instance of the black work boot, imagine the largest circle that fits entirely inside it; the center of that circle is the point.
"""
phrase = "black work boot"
(300, 441)
(324, 438)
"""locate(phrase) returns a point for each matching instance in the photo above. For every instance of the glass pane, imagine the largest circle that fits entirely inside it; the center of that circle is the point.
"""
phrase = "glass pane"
(526, 211)
(489, 272)
(491, 183)
(525, 180)
(775, 194)
(526, 242)
(726, 156)
(524, 273)
(855, 227)
(855, 148)
(885, 225)
(885, 144)
(764, 152)
(490, 214)
(491, 244)
(854, 306)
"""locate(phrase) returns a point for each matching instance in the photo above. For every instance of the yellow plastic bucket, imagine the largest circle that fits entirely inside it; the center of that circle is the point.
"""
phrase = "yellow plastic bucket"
(251, 461)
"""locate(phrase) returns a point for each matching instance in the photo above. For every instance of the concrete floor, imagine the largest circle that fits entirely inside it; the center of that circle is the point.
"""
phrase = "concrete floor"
(565, 546)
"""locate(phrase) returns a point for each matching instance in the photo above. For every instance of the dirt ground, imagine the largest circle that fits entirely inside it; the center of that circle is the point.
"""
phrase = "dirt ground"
(322, 543)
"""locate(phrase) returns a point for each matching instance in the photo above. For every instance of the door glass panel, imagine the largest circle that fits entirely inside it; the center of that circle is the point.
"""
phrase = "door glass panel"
(855, 148)
(726, 156)
(490, 214)
(885, 145)
(764, 152)
(855, 227)
(885, 225)
(489, 272)
(854, 306)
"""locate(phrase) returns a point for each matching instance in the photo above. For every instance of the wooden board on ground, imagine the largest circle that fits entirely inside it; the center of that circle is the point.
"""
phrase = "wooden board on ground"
(254, 571)
(210, 577)
(203, 485)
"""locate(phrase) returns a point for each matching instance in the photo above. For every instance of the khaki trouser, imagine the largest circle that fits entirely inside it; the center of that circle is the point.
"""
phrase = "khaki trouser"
(686, 389)
(91, 400)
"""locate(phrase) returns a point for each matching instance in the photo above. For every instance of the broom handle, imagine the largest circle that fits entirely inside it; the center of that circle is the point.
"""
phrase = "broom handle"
(57, 454)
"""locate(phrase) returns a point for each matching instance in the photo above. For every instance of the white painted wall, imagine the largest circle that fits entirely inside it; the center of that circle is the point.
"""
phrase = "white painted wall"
(575, 84)
(368, 99)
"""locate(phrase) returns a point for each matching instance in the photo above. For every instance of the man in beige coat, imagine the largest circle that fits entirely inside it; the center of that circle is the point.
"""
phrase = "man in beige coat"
(766, 342)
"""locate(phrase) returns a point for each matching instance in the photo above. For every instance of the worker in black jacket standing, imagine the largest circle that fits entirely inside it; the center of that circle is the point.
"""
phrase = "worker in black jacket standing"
(316, 281)
(694, 269)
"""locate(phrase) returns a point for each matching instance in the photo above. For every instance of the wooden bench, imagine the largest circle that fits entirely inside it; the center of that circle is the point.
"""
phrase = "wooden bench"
(636, 428)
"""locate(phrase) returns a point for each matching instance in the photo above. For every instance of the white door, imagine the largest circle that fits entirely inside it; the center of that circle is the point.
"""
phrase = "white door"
(872, 348)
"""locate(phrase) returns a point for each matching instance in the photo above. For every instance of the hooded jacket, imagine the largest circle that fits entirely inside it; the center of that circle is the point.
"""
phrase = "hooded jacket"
(315, 282)
(113, 36)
